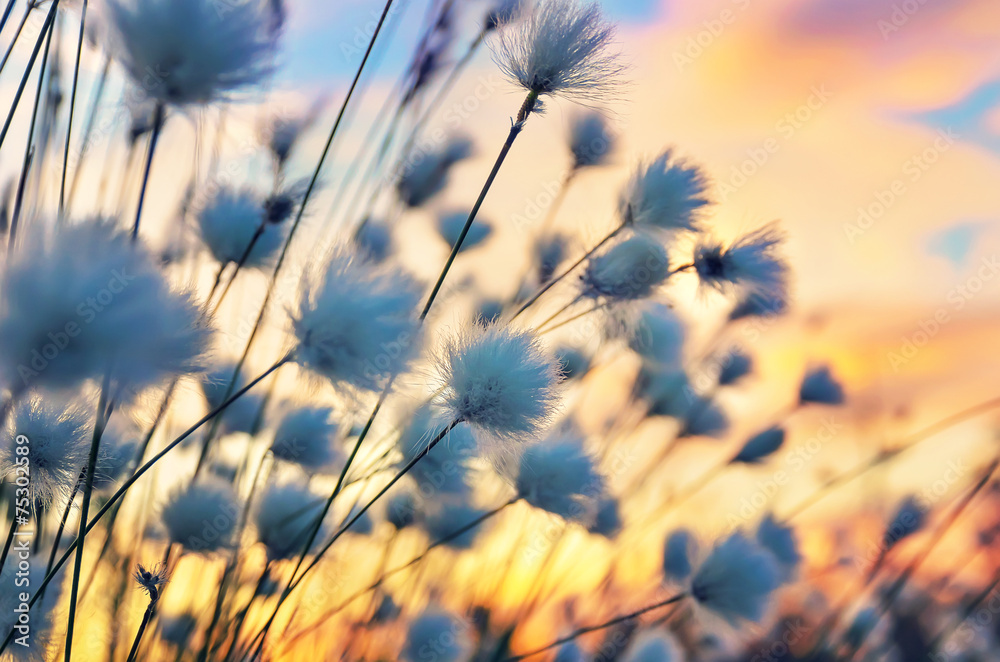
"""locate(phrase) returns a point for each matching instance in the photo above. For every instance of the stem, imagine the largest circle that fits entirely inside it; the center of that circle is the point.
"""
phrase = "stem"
(885, 456)
(142, 628)
(154, 138)
(89, 129)
(62, 524)
(586, 256)
(17, 34)
(415, 560)
(295, 582)
(9, 541)
(515, 129)
(6, 14)
(72, 107)
(134, 478)
(99, 422)
(46, 27)
(603, 626)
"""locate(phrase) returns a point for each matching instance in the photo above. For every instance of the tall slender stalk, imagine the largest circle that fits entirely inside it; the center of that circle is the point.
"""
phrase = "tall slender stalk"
(72, 108)
(159, 117)
(515, 130)
(134, 478)
(100, 421)
(46, 27)
(602, 626)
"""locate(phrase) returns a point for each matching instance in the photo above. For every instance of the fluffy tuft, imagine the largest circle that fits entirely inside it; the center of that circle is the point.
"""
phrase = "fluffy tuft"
(666, 194)
(760, 446)
(500, 381)
(356, 323)
(228, 222)
(780, 540)
(560, 477)
(442, 635)
(450, 225)
(750, 263)
(305, 437)
(736, 581)
(820, 387)
(201, 517)
(590, 140)
(284, 519)
(562, 48)
(653, 646)
(629, 270)
(680, 547)
(57, 440)
(193, 52)
(87, 300)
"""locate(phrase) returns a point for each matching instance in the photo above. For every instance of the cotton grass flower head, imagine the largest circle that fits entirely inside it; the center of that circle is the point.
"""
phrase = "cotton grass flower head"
(227, 225)
(629, 270)
(445, 468)
(561, 48)
(780, 540)
(501, 12)
(667, 194)
(560, 477)
(736, 580)
(150, 580)
(306, 437)
(658, 336)
(373, 240)
(443, 635)
(573, 363)
(653, 646)
(355, 322)
(760, 446)
(607, 520)
(500, 381)
(284, 519)
(910, 517)
(734, 365)
(57, 440)
(193, 52)
(427, 173)
(450, 226)
(819, 386)
(86, 300)
(241, 414)
(446, 517)
(749, 263)
(678, 552)
(201, 517)
(590, 140)
(570, 652)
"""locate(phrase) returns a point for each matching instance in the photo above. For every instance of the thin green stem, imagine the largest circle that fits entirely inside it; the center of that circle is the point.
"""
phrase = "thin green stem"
(72, 108)
(159, 118)
(46, 27)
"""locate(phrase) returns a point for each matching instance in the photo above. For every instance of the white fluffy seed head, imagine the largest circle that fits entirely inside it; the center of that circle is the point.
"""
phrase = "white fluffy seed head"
(241, 414)
(666, 194)
(56, 440)
(736, 580)
(227, 225)
(284, 519)
(679, 549)
(590, 140)
(607, 520)
(445, 636)
(658, 337)
(562, 48)
(193, 52)
(629, 270)
(356, 323)
(450, 225)
(761, 446)
(751, 263)
(445, 468)
(201, 517)
(86, 300)
(780, 540)
(819, 386)
(306, 437)
(560, 477)
(444, 518)
(500, 381)
(654, 646)
(42, 616)
(426, 173)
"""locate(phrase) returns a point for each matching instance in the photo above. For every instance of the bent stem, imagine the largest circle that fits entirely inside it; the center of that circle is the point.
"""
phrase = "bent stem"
(159, 117)
(602, 626)
(515, 130)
